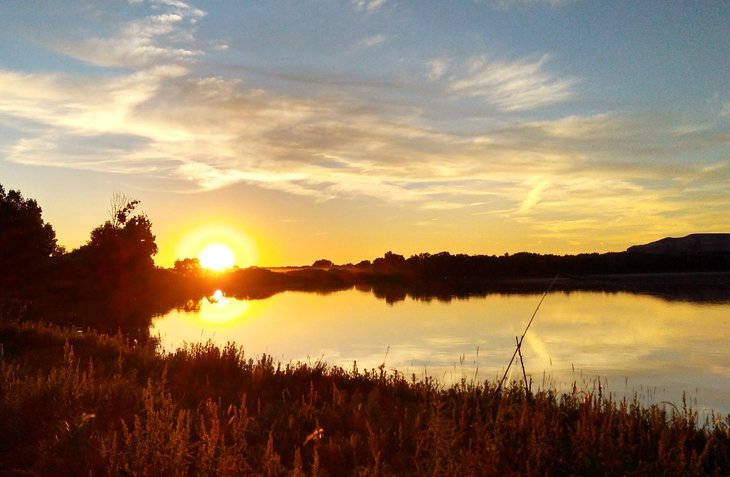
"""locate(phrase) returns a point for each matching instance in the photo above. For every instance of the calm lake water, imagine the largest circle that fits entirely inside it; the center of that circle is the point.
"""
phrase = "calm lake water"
(635, 344)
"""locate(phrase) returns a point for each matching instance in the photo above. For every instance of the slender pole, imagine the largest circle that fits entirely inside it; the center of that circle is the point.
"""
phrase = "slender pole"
(522, 363)
(519, 342)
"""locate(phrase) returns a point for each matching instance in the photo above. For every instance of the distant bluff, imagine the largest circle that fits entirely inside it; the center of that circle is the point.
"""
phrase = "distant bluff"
(691, 244)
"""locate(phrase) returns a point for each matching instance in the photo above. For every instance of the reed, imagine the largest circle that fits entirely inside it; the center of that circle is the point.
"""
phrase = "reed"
(92, 404)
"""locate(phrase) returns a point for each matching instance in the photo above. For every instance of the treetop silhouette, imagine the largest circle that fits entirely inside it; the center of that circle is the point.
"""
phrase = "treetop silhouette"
(27, 243)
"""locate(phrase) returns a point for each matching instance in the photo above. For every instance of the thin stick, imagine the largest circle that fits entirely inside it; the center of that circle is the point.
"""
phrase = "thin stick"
(522, 363)
(476, 371)
(519, 342)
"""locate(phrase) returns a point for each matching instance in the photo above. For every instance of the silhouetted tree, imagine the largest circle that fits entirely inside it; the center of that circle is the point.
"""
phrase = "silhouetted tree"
(27, 243)
(111, 281)
(389, 263)
(322, 263)
(120, 207)
(122, 247)
(187, 266)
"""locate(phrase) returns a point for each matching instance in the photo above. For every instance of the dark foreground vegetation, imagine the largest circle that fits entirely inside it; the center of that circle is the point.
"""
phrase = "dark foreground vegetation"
(75, 403)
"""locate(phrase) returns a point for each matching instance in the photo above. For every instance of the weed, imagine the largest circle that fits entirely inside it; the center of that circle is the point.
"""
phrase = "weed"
(92, 404)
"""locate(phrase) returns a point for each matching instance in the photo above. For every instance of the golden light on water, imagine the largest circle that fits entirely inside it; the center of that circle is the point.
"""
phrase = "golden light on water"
(636, 342)
(218, 247)
(216, 313)
(222, 311)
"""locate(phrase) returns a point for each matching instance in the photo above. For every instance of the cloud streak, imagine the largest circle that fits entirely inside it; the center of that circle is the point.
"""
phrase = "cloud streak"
(512, 85)
(505, 5)
(372, 41)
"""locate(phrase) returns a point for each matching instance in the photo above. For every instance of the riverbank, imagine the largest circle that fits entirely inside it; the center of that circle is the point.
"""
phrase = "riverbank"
(83, 403)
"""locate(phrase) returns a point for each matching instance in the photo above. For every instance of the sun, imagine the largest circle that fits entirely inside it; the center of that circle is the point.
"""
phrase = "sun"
(218, 246)
(217, 257)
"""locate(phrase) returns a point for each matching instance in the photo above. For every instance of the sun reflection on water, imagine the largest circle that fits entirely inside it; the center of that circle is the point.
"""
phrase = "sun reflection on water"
(218, 297)
(217, 308)
(215, 312)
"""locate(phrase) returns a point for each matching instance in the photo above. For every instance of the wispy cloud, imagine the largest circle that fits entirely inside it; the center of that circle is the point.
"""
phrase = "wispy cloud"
(533, 196)
(368, 6)
(512, 85)
(372, 41)
(725, 111)
(504, 5)
(162, 38)
(436, 68)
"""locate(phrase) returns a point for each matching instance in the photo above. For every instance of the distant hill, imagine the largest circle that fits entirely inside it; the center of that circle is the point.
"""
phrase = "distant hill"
(691, 244)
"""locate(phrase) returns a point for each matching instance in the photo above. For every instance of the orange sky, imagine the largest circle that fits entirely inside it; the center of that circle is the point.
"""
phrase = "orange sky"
(295, 131)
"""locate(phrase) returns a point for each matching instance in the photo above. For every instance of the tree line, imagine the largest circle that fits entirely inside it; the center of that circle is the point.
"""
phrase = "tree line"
(111, 281)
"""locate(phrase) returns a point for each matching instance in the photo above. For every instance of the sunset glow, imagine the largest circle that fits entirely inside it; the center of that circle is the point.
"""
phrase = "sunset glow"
(217, 247)
(342, 130)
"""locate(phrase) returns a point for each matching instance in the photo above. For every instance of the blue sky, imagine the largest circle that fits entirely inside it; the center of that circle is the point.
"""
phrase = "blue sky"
(342, 129)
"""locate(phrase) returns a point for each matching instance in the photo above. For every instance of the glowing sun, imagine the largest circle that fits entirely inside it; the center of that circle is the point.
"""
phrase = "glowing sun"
(218, 246)
(217, 257)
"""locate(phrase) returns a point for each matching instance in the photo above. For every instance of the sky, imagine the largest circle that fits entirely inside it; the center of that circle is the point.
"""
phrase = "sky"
(297, 130)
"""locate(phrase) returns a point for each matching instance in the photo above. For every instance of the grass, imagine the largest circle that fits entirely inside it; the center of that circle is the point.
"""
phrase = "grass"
(86, 403)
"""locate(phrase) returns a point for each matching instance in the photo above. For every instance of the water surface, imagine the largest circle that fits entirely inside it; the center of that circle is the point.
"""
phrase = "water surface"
(635, 344)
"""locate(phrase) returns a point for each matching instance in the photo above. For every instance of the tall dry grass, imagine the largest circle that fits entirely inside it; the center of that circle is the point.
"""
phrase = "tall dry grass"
(90, 404)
